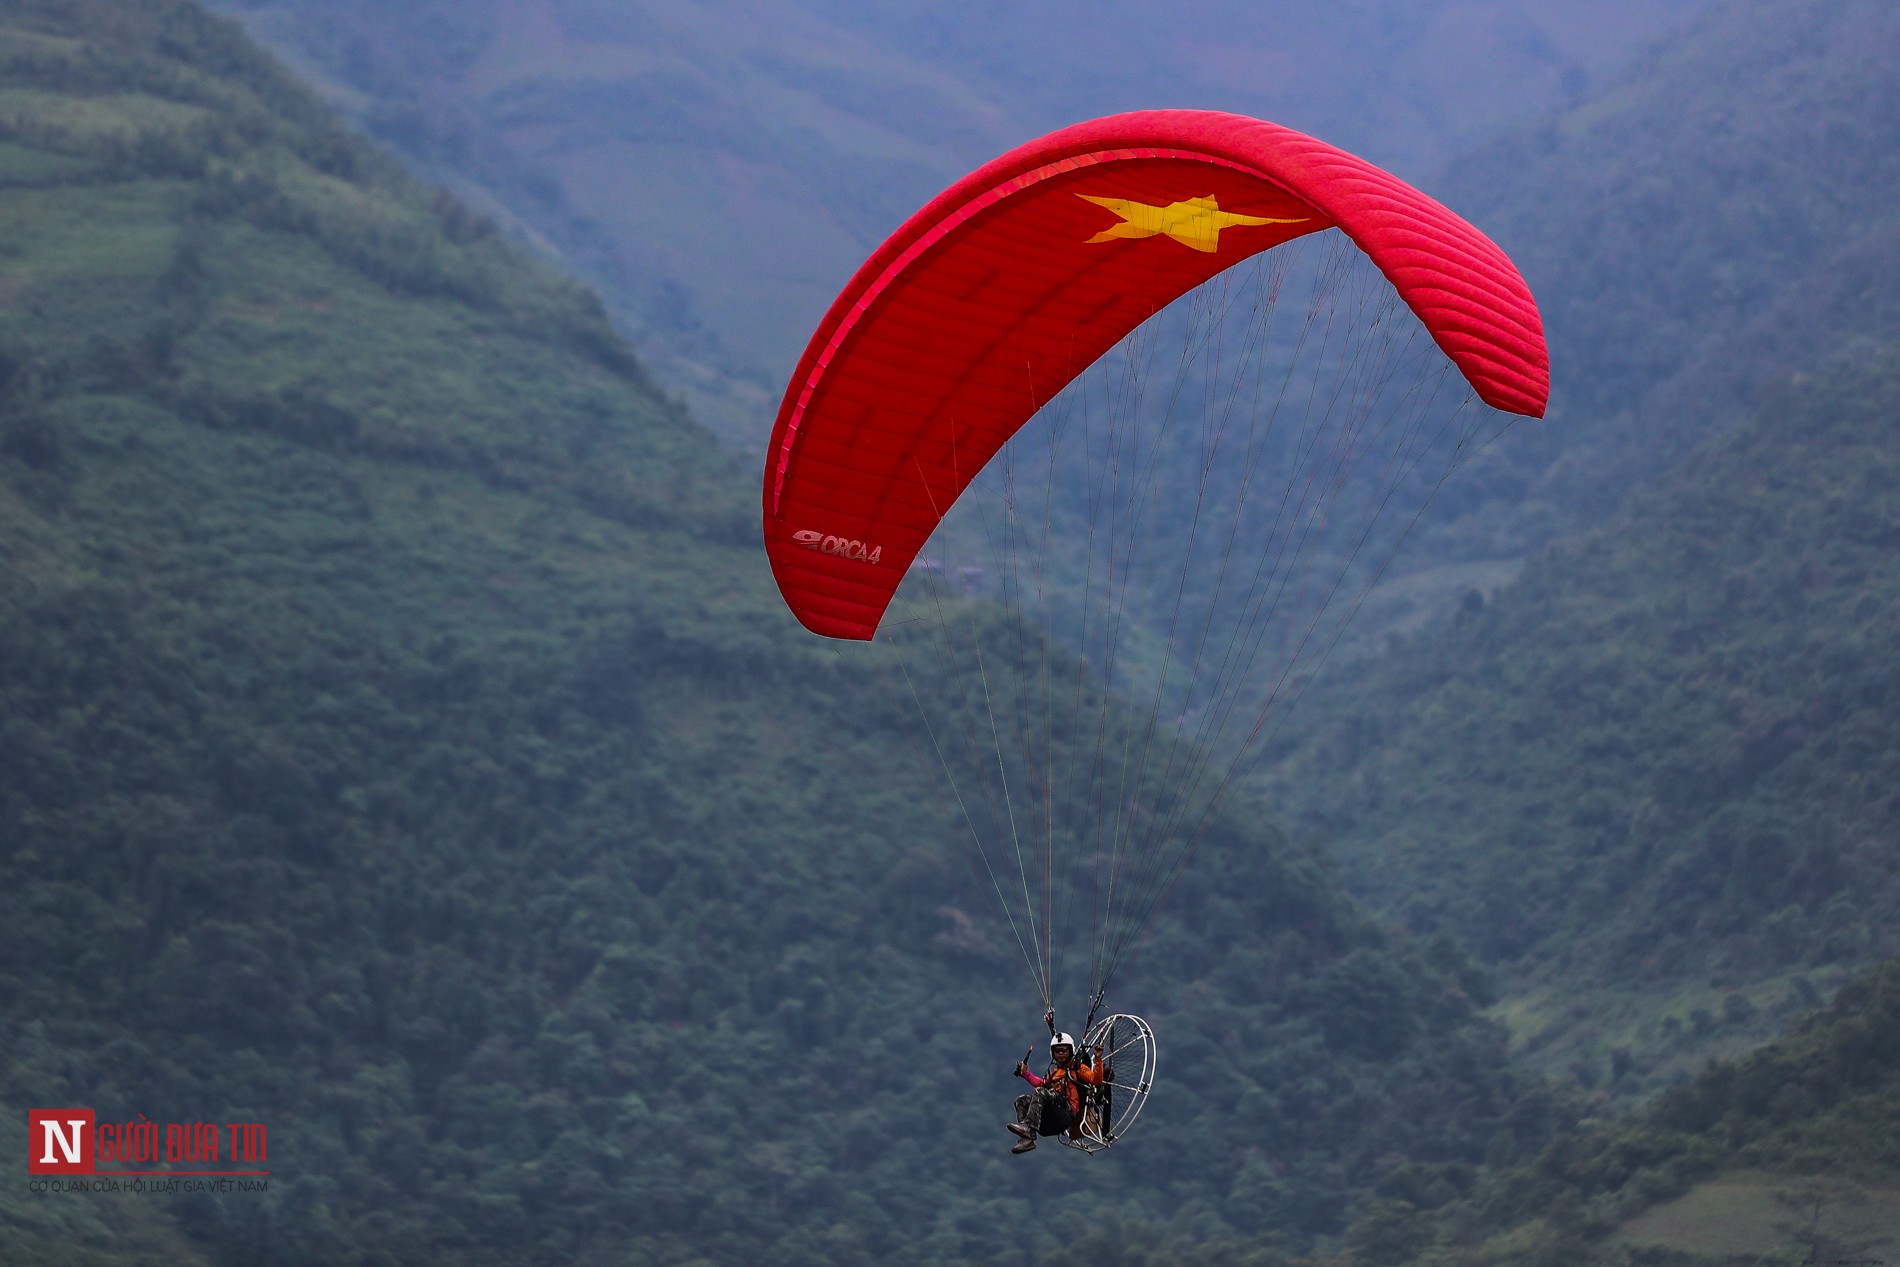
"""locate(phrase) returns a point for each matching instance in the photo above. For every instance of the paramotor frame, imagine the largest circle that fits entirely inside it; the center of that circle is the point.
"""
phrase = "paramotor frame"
(1127, 1047)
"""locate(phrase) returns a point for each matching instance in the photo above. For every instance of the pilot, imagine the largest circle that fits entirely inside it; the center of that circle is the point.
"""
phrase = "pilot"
(1054, 1103)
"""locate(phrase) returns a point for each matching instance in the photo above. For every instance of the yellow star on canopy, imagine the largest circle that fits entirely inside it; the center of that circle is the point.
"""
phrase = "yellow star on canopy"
(1197, 222)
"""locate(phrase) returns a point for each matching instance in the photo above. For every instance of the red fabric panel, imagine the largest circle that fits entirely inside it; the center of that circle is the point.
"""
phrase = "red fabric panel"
(990, 300)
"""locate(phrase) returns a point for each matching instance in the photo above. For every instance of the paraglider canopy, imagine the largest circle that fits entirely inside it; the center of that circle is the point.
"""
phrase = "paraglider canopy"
(990, 300)
(1178, 545)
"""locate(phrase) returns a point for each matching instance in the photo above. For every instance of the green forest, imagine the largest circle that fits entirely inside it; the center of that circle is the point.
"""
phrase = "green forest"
(402, 745)
(402, 749)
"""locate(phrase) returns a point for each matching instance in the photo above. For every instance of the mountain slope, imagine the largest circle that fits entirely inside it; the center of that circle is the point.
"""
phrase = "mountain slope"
(1629, 776)
(1786, 1155)
(1662, 762)
(401, 746)
(717, 168)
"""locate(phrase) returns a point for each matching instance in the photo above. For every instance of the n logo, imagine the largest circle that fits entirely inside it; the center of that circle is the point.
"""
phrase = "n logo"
(59, 1141)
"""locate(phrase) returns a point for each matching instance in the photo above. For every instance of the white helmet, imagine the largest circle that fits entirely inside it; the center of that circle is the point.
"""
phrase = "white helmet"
(1061, 1040)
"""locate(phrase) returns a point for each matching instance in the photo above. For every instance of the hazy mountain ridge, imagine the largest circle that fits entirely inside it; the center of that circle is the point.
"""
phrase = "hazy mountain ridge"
(803, 132)
(717, 167)
(1699, 230)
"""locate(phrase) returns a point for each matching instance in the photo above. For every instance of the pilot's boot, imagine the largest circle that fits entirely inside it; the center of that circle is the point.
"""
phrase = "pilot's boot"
(1029, 1111)
(1025, 1124)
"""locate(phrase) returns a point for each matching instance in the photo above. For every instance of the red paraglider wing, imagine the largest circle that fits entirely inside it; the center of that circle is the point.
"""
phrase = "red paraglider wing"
(990, 300)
